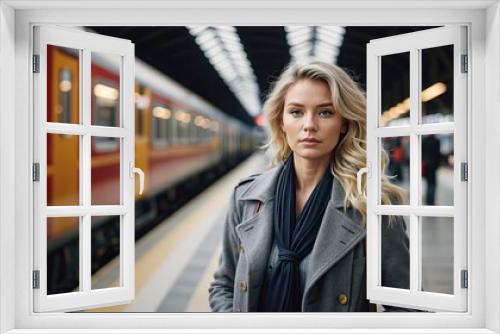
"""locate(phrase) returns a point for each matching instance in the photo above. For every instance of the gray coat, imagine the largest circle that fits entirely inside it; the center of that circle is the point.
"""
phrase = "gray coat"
(337, 278)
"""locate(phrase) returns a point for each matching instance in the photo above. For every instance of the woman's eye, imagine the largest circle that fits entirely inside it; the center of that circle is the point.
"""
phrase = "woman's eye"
(326, 113)
(295, 112)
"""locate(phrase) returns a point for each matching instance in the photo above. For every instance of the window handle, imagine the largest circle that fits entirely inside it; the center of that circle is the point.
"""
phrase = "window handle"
(134, 170)
(359, 178)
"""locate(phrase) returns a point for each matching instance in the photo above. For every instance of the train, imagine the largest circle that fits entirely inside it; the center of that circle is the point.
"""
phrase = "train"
(182, 143)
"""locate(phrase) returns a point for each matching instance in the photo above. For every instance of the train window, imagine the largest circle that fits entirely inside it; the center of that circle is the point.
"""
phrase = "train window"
(105, 251)
(65, 87)
(161, 124)
(201, 123)
(425, 160)
(63, 84)
(194, 130)
(183, 119)
(105, 175)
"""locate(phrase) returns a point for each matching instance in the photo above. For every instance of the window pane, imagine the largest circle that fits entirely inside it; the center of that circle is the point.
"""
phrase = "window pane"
(106, 89)
(63, 79)
(106, 167)
(395, 81)
(437, 254)
(437, 169)
(63, 255)
(63, 169)
(105, 248)
(398, 165)
(395, 257)
(437, 84)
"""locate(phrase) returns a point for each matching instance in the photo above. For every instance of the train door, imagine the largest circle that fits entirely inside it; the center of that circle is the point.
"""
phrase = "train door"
(433, 65)
(63, 60)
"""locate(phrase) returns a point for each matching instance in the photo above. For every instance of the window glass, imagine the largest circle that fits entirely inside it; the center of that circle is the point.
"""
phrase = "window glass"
(63, 254)
(105, 248)
(437, 254)
(106, 167)
(395, 94)
(437, 95)
(63, 169)
(397, 164)
(63, 94)
(106, 89)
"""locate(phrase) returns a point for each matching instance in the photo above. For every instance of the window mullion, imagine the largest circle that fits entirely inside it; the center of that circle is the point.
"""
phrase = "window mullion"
(85, 235)
(415, 251)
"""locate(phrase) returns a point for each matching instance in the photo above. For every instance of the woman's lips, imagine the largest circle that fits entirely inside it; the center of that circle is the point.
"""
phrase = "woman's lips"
(310, 141)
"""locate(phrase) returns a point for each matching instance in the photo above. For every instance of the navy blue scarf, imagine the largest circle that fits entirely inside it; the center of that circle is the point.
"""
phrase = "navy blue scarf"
(294, 236)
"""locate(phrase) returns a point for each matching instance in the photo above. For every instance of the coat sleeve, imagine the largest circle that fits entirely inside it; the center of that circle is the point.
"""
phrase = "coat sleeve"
(221, 289)
(395, 258)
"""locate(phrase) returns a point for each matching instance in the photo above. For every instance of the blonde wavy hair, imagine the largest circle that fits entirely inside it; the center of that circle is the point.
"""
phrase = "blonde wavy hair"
(350, 153)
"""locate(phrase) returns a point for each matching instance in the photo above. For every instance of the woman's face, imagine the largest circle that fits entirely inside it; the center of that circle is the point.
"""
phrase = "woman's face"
(311, 125)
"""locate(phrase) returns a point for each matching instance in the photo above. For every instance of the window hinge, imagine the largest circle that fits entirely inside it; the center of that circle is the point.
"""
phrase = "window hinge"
(36, 279)
(464, 171)
(465, 279)
(465, 66)
(36, 172)
(36, 63)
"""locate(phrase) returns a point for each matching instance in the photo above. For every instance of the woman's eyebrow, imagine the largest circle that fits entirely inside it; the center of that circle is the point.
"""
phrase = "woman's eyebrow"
(326, 104)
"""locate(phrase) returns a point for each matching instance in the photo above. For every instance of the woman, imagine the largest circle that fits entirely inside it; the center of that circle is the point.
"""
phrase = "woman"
(294, 235)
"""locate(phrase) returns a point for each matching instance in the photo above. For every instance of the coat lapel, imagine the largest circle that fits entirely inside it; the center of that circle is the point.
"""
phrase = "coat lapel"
(256, 232)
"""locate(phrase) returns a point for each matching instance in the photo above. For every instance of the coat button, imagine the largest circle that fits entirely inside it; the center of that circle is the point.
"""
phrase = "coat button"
(243, 286)
(342, 299)
(242, 249)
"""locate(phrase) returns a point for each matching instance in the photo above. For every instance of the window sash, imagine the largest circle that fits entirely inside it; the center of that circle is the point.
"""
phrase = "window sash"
(413, 43)
(86, 297)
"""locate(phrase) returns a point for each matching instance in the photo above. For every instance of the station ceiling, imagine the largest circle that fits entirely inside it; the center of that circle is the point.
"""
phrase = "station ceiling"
(173, 51)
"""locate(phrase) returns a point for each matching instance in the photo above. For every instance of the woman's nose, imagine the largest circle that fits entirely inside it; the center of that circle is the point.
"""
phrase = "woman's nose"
(309, 123)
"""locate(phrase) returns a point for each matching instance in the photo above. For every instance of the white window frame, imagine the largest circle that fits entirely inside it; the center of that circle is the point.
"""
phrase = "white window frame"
(16, 20)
